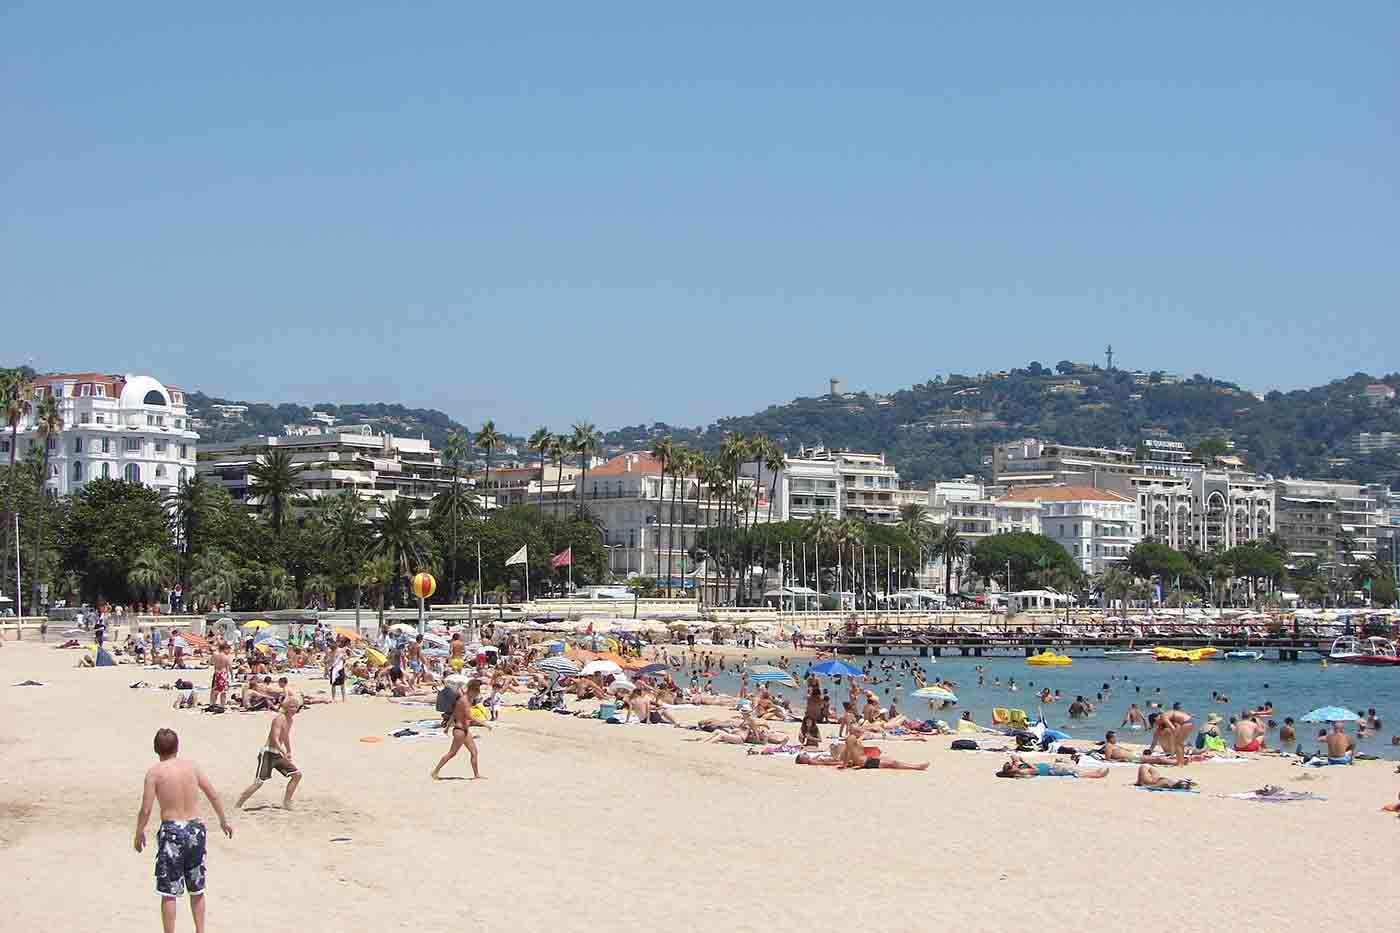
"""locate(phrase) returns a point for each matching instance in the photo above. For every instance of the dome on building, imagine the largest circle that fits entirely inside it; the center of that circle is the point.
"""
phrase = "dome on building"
(143, 390)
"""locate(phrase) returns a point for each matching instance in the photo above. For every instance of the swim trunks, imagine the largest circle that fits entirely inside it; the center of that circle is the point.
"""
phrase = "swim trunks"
(1254, 746)
(872, 764)
(1042, 769)
(220, 681)
(269, 760)
(1344, 760)
(180, 858)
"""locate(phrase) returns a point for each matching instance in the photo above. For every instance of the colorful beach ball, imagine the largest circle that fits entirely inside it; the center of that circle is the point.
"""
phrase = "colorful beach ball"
(424, 585)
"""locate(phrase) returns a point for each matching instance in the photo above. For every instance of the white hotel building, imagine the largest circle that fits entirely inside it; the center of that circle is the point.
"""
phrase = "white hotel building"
(114, 427)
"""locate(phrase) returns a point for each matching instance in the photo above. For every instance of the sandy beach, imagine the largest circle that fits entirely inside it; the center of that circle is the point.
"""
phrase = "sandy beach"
(583, 825)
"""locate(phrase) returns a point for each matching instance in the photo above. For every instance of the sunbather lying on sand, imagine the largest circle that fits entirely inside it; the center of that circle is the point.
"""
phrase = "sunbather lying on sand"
(750, 732)
(853, 757)
(1147, 776)
(1016, 767)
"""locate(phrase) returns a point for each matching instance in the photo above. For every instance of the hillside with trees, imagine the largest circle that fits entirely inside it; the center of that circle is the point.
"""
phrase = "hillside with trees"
(945, 426)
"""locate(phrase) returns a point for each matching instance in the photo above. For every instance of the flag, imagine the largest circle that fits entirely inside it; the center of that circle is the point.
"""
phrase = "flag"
(564, 558)
(519, 557)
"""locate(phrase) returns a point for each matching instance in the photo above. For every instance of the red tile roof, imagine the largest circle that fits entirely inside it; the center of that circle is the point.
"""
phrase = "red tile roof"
(642, 462)
(1063, 494)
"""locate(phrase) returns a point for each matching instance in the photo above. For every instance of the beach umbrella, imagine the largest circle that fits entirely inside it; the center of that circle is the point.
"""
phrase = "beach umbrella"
(835, 668)
(935, 693)
(768, 674)
(650, 669)
(601, 666)
(348, 634)
(620, 682)
(404, 628)
(375, 655)
(256, 625)
(1330, 714)
(557, 665)
(430, 639)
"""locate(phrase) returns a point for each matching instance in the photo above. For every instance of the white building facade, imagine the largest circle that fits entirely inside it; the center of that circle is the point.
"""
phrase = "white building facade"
(122, 427)
(1097, 527)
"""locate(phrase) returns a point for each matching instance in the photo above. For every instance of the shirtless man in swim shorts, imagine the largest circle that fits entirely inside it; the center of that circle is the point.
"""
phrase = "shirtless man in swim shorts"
(810, 732)
(1170, 730)
(1134, 719)
(1112, 751)
(180, 840)
(1249, 735)
(277, 754)
(853, 756)
(222, 665)
(1340, 746)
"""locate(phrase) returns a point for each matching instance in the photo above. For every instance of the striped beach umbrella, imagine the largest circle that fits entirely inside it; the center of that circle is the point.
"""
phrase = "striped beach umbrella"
(935, 693)
(556, 665)
(768, 674)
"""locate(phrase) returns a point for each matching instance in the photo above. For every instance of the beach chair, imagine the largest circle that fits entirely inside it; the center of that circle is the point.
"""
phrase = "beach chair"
(1013, 718)
(607, 710)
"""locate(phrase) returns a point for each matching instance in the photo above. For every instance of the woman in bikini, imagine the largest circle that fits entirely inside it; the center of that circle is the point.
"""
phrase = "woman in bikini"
(461, 723)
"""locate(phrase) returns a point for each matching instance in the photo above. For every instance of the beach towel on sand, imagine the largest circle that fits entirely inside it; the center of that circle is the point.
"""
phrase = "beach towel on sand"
(1176, 790)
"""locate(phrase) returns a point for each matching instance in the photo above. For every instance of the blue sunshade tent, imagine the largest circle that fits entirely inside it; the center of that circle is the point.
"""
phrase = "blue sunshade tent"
(837, 669)
(1330, 714)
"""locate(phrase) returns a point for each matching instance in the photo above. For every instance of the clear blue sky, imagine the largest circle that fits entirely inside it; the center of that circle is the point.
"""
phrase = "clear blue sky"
(606, 211)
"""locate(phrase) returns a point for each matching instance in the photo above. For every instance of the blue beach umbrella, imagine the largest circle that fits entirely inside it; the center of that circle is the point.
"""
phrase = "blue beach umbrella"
(650, 669)
(1330, 714)
(768, 674)
(836, 669)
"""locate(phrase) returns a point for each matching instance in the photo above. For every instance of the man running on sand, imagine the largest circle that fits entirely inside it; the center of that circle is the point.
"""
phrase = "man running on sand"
(180, 839)
(277, 754)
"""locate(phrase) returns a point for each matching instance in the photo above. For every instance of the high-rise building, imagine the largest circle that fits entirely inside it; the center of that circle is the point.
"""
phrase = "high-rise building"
(114, 427)
(1326, 520)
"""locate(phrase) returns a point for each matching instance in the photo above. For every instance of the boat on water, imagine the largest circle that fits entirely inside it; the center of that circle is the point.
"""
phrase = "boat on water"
(1191, 655)
(1127, 652)
(1374, 651)
(1048, 658)
(1244, 655)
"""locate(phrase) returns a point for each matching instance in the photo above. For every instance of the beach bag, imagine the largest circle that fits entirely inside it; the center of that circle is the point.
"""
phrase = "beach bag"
(447, 699)
(964, 745)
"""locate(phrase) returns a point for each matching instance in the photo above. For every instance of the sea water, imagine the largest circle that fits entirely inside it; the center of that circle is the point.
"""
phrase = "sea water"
(1294, 688)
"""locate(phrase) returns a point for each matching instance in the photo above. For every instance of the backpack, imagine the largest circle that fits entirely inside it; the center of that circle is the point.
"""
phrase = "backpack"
(447, 699)
(964, 745)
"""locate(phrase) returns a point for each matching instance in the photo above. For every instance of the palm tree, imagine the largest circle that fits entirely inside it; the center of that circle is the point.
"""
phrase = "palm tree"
(488, 439)
(47, 423)
(684, 466)
(189, 500)
(541, 443)
(1115, 583)
(150, 571)
(276, 588)
(400, 536)
(774, 459)
(700, 467)
(375, 576)
(322, 587)
(584, 443)
(72, 583)
(14, 407)
(454, 451)
(213, 579)
(663, 451)
(452, 507)
(276, 481)
(946, 544)
(559, 450)
(849, 533)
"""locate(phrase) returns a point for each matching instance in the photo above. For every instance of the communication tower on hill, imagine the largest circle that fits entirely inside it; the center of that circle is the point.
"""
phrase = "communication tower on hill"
(1109, 354)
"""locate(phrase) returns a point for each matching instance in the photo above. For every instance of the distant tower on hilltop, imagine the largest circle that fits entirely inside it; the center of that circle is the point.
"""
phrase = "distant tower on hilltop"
(835, 388)
(1109, 354)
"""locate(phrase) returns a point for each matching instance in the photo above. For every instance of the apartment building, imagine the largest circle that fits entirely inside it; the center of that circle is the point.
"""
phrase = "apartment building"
(1097, 527)
(125, 427)
(1319, 518)
(379, 468)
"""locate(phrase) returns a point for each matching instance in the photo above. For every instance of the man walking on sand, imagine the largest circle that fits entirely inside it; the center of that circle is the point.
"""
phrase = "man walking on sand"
(180, 840)
(277, 754)
(223, 666)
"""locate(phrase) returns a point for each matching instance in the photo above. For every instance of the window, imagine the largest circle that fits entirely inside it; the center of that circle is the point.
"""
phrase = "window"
(101, 419)
(150, 419)
(84, 418)
(160, 471)
(99, 391)
(51, 442)
(106, 445)
(77, 445)
(106, 471)
(78, 471)
(154, 397)
(133, 473)
(160, 447)
(133, 443)
(4, 447)
(185, 455)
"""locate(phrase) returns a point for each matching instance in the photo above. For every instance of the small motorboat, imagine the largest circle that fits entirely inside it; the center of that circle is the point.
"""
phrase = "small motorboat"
(1127, 652)
(1374, 651)
(1244, 655)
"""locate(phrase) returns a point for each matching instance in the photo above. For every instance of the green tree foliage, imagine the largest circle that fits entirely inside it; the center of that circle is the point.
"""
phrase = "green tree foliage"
(107, 524)
(1031, 556)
